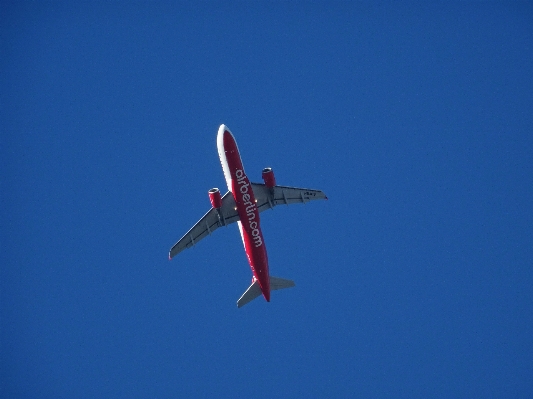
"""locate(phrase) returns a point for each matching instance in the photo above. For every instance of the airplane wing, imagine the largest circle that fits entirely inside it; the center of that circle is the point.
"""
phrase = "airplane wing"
(278, 195)
(211, 221)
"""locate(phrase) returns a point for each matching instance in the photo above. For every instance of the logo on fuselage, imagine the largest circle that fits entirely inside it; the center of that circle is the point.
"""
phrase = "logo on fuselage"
(251, 209)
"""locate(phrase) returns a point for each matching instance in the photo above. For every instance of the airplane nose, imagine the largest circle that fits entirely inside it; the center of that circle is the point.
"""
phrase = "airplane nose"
(220, 136)
(225, 137)
(222, 129)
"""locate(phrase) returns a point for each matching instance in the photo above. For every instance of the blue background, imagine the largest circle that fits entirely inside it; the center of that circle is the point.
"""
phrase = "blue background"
(413, 280)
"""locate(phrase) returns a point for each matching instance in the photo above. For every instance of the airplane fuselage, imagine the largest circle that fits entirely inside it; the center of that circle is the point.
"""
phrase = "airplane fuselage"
(242, 204)
(249, 223)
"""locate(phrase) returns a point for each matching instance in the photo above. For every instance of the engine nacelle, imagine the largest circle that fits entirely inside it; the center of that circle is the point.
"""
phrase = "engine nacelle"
(268, 177)
(215, 198)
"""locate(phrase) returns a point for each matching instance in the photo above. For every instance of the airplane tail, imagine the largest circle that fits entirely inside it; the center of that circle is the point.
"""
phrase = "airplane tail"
(254, 290)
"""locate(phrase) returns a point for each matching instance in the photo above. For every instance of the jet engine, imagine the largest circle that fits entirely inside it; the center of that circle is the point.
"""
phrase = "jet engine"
(215, 198)
(268, 177)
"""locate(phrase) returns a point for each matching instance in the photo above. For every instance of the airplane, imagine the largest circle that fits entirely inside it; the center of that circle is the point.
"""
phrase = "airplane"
(242, 204)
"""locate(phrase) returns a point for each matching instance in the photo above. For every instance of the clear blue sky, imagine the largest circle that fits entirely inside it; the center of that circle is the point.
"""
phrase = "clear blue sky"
(413, 280)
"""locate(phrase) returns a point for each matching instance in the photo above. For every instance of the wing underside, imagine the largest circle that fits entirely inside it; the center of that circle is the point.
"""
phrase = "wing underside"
(211, 221)
(269, 197)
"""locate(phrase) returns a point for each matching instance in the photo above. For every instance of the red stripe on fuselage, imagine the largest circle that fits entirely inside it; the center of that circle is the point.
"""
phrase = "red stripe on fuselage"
(254, 244)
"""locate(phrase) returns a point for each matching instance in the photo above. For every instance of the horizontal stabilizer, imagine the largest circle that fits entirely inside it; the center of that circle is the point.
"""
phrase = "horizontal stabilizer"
(277, 283)
(251, 293)
(254, 290)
